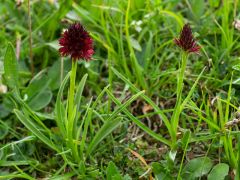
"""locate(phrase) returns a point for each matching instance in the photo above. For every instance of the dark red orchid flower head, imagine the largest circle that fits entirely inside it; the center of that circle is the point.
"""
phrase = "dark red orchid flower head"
(76, 42)
(186, 40)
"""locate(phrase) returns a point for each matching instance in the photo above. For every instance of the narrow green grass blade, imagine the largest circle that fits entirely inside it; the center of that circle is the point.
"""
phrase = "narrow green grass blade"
(59, 108)
(70, 138)
(25, 139)
(78, 98)
(26, 109)
(139, 123)
(228, 101)
(229, 138)
(85, 130)
(105, 130)
(16, 176)
(185, 140)
(191, 90)
(85, 121)
(147, 99)
(111, 123)
(238, 160)
(79, 91)
(198, 111)
(16, 163)
(99, 97)
(123, 106)
(32, 127)
(178, 18)
(63, 176)
(84, 13)
(210, 136)
(134, 62)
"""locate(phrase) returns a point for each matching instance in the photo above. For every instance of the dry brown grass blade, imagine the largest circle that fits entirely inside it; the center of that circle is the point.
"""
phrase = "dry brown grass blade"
(149, 169)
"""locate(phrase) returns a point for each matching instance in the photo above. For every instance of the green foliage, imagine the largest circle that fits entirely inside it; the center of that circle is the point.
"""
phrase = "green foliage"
(3, 130)
(131, 95)
(11, 67)
(113, 172)
(38, 93)
(197, 167)
(220, 171)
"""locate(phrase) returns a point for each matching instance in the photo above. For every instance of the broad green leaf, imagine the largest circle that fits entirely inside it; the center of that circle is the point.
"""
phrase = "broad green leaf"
(219, 172)
(4, 111)
(113, 172)
(38, 93)
(55, 71)
(11, 67)
(37, 85)
(41, 100)
(3, 130)
(1, 69)
(197, 167)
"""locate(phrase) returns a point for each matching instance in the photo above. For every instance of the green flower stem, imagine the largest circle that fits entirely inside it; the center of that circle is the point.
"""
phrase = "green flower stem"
(177, 110)
(72, 87)
(181, 76)
(71, 109)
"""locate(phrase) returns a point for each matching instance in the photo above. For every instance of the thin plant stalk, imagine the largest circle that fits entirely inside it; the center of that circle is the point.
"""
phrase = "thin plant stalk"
(30, 38)
(71, 109)
(180, 83)
(61, 70)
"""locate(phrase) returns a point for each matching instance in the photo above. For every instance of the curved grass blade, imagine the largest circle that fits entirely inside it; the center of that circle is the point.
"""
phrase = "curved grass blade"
(59, 108)
(33, 128)
(139, 123)
(147, 99)
(111, 123)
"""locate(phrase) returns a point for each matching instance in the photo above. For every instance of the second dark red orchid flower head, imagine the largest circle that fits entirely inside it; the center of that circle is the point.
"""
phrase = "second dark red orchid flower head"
(186, 40)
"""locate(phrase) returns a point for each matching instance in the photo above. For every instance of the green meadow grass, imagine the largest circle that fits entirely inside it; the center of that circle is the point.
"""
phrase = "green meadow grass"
(128, 115)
